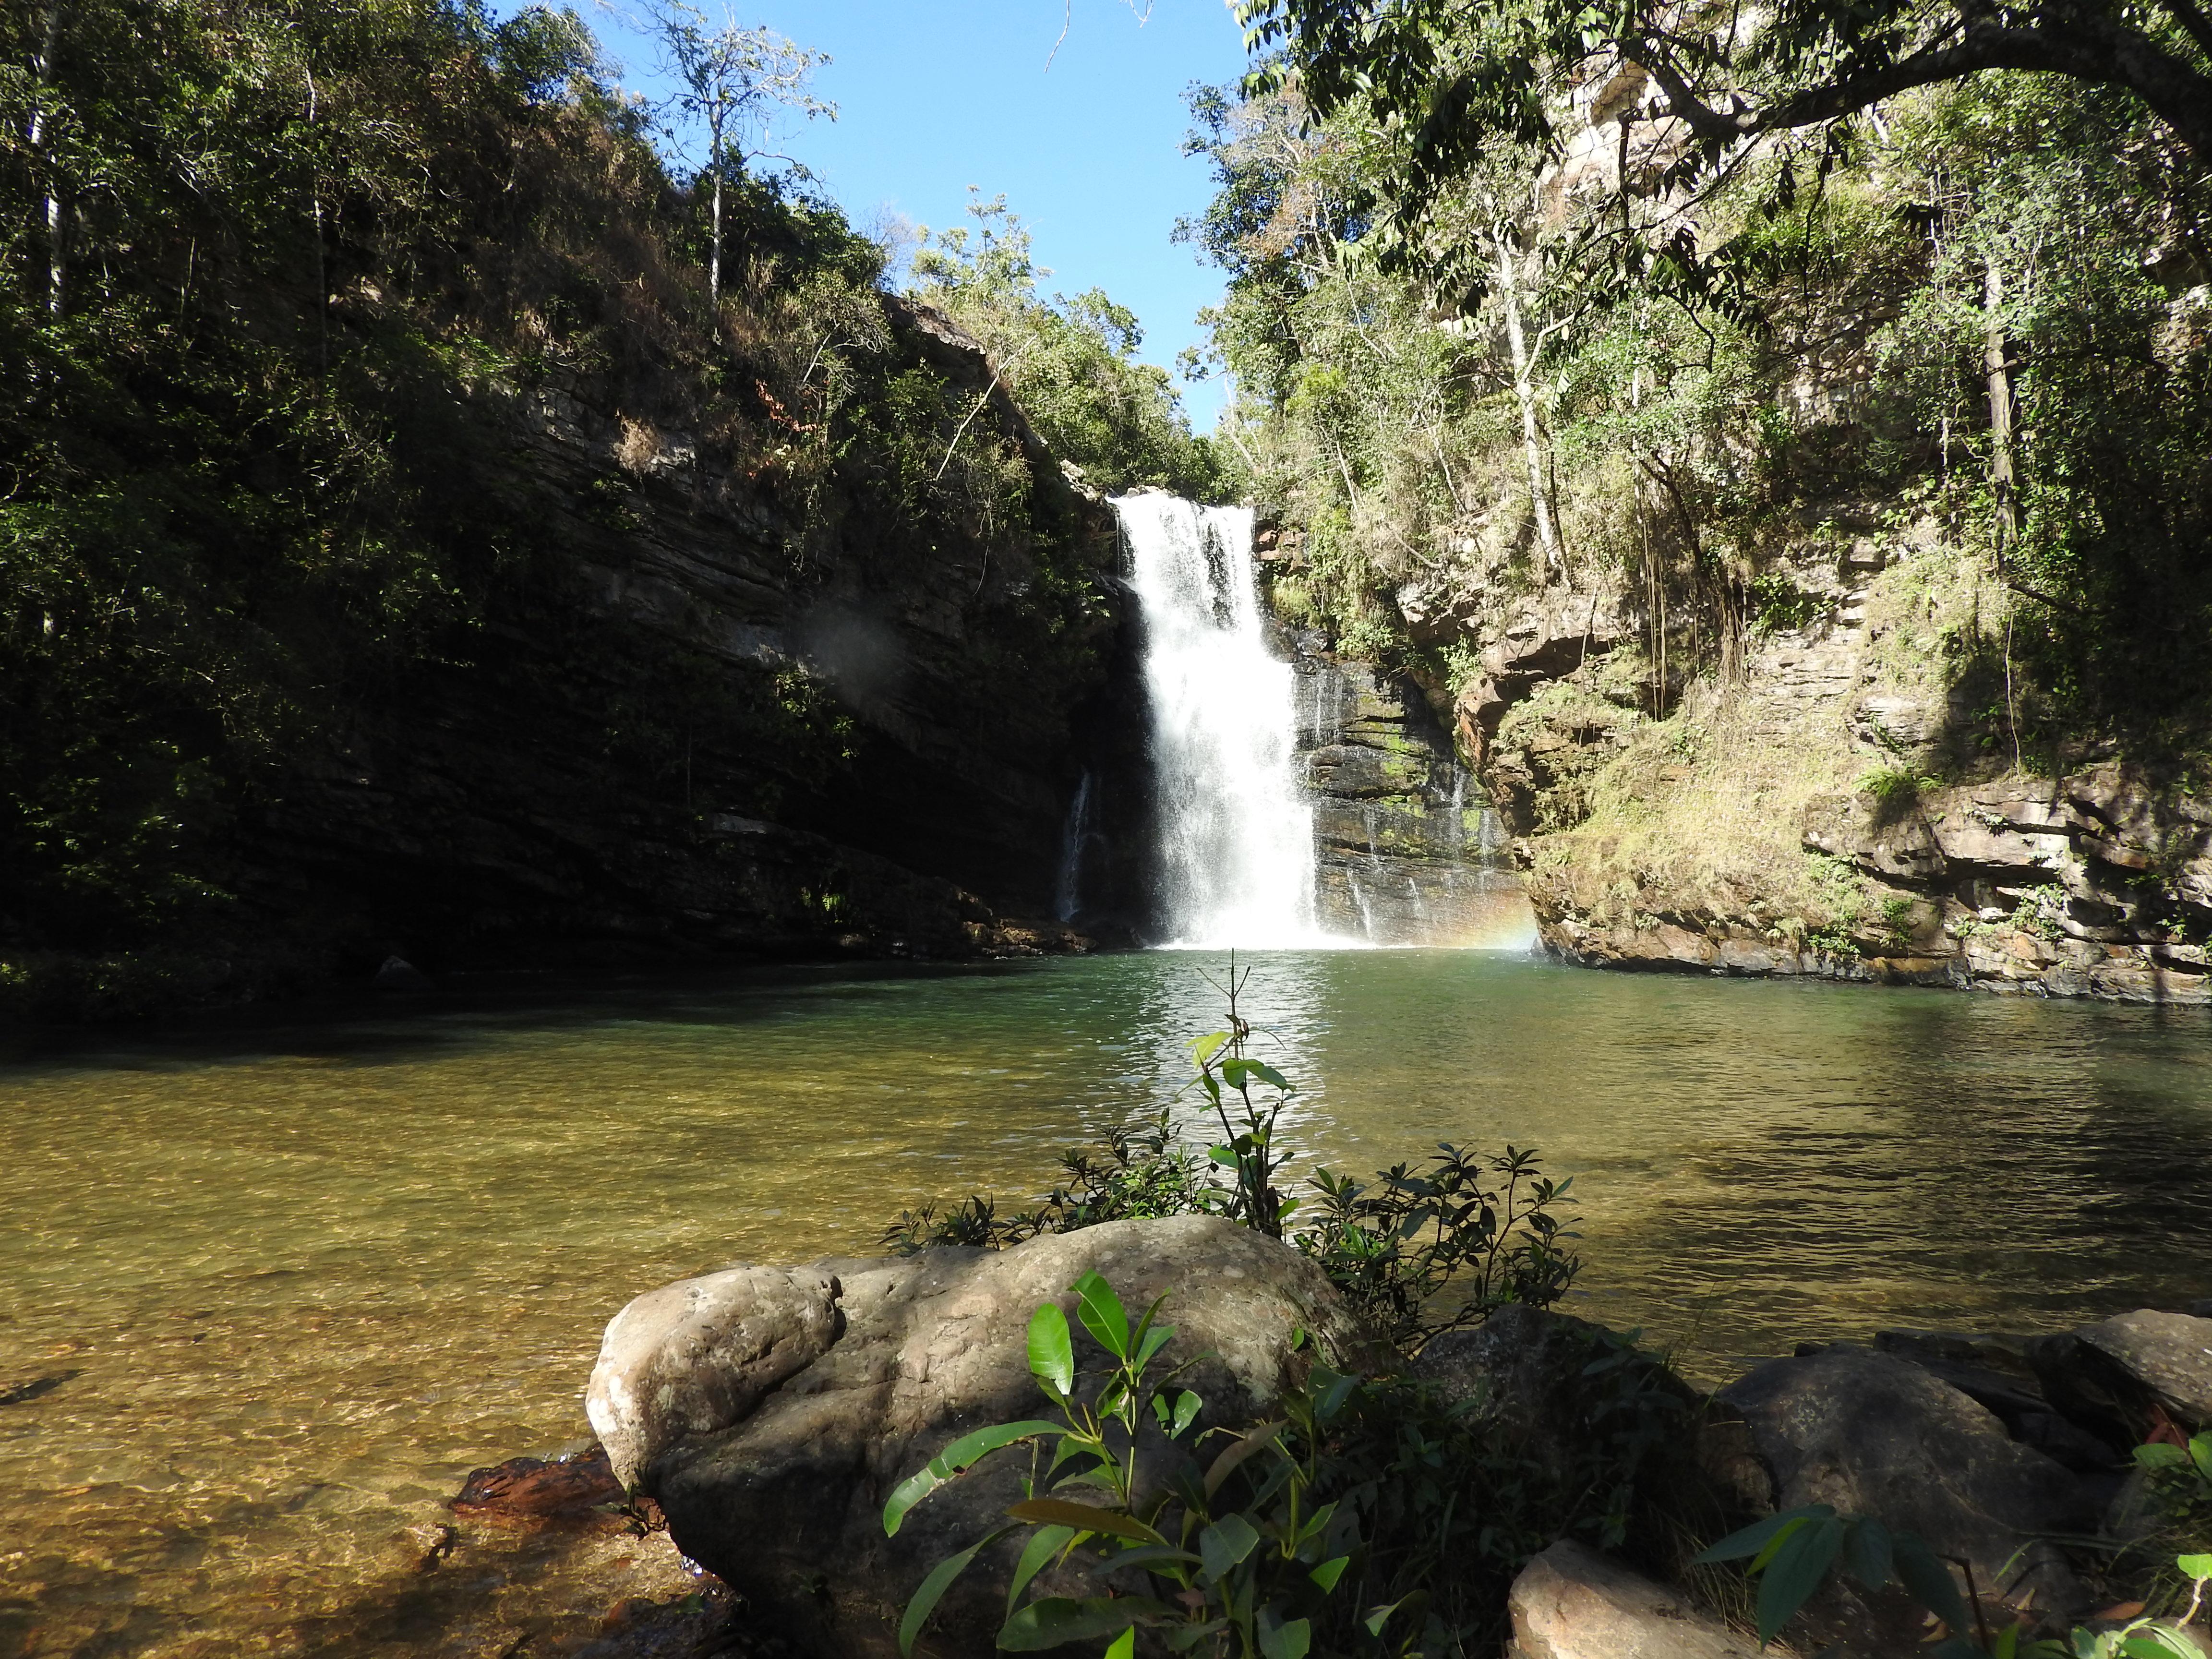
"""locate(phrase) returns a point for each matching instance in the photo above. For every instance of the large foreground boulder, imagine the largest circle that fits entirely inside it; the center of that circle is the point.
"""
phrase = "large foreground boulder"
(1571, 1602)
(1871, 1434)
(773, 1473)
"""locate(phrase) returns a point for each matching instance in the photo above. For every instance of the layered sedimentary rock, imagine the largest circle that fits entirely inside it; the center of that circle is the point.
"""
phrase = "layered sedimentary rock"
(881, 761)
(1836, 789)
(1409, 849)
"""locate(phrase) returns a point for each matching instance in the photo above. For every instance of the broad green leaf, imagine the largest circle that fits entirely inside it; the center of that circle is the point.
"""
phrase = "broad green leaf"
(1052, 1353)
(952, 1460)
(1084, 1518)
(1867, 1554)
(1146, 1555)
(1237, 1073)
(2194, 1566)
(1774, 1544)
(1154, 1339)
(1796, 1572)
(2158, 1642)
(1225, 1543)
(1288, 1641)
(1203, 1049)
(1044, 1543)
(1053, 1619)
(1929, 1581)
(1378, 1617)
(1123, 1646)
(1753, 1538)
(1102, 1313)
(933, 1587)
(1226, 1465)
(2200, 1453)
(1328, 1572)
(1176, 1418)
(1225, 1156)
(2160, 1456)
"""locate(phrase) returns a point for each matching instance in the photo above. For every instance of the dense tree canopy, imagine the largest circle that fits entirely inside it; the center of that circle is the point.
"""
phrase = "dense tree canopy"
(1452, 77)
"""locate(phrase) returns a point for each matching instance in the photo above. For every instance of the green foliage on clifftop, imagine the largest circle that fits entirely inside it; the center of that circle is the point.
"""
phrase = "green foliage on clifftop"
(1417, 405)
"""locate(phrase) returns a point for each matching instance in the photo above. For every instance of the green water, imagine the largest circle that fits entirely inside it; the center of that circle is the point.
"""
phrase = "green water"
(297, 1280)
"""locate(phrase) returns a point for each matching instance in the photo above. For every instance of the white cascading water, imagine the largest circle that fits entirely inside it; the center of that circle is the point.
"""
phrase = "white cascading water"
(1237, 832)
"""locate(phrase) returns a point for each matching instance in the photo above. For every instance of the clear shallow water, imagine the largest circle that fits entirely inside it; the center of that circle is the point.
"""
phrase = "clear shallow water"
(297, 1280)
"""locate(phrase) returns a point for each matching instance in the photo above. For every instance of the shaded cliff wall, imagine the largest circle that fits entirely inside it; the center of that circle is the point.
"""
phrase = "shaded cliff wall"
(876, 754)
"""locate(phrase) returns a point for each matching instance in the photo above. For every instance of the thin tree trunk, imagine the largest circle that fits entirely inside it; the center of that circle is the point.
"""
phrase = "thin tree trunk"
(1997, 366)
(715, 162)
(315, 204)
(1524, 391)
(57, 251)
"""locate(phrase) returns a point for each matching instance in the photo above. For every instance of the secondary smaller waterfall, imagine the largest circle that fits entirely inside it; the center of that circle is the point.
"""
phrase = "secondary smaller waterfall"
(1236, 831)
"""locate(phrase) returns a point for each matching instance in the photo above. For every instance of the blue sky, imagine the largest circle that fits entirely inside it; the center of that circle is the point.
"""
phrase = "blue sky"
(934, 96)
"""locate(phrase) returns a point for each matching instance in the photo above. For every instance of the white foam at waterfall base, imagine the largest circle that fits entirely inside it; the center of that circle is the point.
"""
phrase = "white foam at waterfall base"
(1237, 832)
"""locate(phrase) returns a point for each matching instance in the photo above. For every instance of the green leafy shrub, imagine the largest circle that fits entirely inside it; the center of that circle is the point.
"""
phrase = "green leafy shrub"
(1369, 1516)
(1483, 1228)
(1777, 602)
(1238, 1556)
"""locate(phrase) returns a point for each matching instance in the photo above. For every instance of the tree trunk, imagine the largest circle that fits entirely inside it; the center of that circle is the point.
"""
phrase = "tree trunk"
(1997, 365)
(57, 250)
(715, 115)
(1524, 392)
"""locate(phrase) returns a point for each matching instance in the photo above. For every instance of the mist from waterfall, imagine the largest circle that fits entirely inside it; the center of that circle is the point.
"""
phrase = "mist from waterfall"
(1236, 830)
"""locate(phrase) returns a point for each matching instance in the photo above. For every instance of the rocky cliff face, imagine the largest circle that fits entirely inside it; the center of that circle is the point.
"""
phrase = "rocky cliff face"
(767, 735)
(1409, 850)
(1843, 799)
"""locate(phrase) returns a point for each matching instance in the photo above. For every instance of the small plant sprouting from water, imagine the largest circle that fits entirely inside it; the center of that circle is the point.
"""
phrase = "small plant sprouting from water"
(1418, 1249)
(1248, 1148)
(1143, 1173)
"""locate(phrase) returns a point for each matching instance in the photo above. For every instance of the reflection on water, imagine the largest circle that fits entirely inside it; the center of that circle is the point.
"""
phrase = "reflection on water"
(294, 1283)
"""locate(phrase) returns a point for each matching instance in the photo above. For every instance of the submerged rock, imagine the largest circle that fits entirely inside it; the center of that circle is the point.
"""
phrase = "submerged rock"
(1571, 1602)
(536, 1489)
(783, 1496)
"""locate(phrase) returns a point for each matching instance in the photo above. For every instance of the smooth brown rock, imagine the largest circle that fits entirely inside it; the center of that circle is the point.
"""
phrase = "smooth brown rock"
(1571, 1602)
(536, 1489)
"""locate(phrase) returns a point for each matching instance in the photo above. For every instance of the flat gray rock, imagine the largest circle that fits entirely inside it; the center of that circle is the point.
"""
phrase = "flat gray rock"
(698, 1355)
(2120, 1378)
(1571, 1602)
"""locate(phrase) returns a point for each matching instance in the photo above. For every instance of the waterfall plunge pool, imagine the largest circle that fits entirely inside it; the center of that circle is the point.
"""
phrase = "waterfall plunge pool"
(297, 1279)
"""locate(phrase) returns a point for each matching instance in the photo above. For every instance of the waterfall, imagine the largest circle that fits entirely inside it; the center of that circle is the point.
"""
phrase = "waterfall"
(1236, 830)
(1068, 899)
